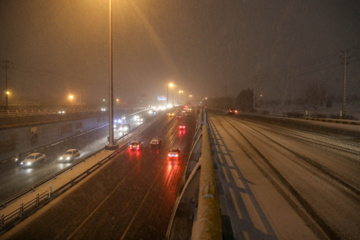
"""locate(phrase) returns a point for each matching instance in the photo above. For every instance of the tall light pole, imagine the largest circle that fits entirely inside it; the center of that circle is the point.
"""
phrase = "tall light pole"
(111, 145)
(343, 107)
(7, 93)
(180, 92)
(167, 92)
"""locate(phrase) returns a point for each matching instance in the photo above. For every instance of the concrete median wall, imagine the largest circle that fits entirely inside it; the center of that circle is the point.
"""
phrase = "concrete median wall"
(18, 141)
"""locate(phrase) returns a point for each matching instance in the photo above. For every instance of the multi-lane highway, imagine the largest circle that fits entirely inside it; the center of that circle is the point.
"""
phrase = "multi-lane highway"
(14, 178)
(275, 182)
(132, 197)
(284, 183)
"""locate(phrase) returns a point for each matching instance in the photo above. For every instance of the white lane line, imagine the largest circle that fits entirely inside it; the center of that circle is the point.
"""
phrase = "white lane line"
(138, 209)
(107, 197)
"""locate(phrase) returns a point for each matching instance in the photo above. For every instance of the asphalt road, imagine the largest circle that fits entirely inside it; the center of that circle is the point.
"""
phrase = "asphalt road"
(280, 182)
(130, 198)
(15, 178)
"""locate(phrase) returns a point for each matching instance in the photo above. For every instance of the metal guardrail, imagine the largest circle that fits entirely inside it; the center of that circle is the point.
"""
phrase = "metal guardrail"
(17, 118)
(11, 218)
(34, 112)
(349, 122)
(208, 221)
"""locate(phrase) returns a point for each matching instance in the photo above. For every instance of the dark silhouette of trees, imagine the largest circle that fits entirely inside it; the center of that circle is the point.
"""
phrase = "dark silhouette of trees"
(245, 99)
(315, 95)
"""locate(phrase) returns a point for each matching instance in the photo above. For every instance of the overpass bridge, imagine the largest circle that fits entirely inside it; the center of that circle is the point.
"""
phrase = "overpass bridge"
(273, 181)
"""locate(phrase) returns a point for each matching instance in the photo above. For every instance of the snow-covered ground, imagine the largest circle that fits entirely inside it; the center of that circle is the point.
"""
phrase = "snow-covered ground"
(283, 183)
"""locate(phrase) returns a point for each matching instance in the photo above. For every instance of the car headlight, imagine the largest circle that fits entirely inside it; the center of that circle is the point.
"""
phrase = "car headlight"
(68, 158)
(61, 158)
(28, 163)
(21, 163)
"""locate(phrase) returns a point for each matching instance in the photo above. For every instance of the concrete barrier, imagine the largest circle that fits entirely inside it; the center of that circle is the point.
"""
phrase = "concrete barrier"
(208, 221)
(335, 121)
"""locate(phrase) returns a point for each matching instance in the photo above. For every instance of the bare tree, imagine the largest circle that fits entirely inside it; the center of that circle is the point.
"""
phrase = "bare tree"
(315, 95)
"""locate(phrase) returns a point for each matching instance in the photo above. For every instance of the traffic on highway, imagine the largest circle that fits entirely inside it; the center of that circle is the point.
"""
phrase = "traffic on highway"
(143, 169)
(26, 170)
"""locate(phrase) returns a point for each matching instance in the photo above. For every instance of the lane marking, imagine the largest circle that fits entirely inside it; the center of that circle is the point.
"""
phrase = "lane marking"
(107, 197)
(142, 202)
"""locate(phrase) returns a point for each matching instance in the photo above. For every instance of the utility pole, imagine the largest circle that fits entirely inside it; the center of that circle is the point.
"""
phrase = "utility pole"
(6, 66)
(343, 109)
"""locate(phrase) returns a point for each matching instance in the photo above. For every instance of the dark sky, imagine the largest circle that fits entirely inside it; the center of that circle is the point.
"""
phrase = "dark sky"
(206, 47)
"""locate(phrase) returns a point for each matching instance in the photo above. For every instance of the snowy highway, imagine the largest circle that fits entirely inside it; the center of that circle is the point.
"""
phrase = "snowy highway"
(131, 197)
(283, 183)
(14, 178)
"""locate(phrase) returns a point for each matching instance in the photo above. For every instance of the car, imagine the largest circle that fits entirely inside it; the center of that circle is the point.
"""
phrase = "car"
(70, 154)
(171, 114)
(182, 126)
(174, 153)
(178, 116)
(155, 141)
(232, 111)
(135, 145)
(32, 159)
(124, 127)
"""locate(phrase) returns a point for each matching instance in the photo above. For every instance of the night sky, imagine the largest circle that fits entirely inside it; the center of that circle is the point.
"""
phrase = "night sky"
(205, 47)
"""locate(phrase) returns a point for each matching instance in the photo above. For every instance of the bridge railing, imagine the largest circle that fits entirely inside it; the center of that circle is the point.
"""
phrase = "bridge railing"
(208, 219)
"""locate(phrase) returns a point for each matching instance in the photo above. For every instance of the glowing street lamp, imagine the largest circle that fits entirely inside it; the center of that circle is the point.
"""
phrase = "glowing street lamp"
(71, 97)
(167, 93)
(7, 93)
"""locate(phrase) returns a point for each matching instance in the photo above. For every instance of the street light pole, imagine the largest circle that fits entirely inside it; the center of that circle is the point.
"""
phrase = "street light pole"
(167, 93)
(111, 145)
(6, 66)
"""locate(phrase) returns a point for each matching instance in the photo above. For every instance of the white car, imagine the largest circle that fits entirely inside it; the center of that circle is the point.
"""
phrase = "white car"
(70, 155)
(32, 159)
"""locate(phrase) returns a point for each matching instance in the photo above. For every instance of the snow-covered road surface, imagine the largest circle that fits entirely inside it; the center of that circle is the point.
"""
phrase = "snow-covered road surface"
(283, 183)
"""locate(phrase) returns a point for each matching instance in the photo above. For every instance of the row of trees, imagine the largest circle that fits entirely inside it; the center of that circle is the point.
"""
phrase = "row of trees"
(313, 97)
